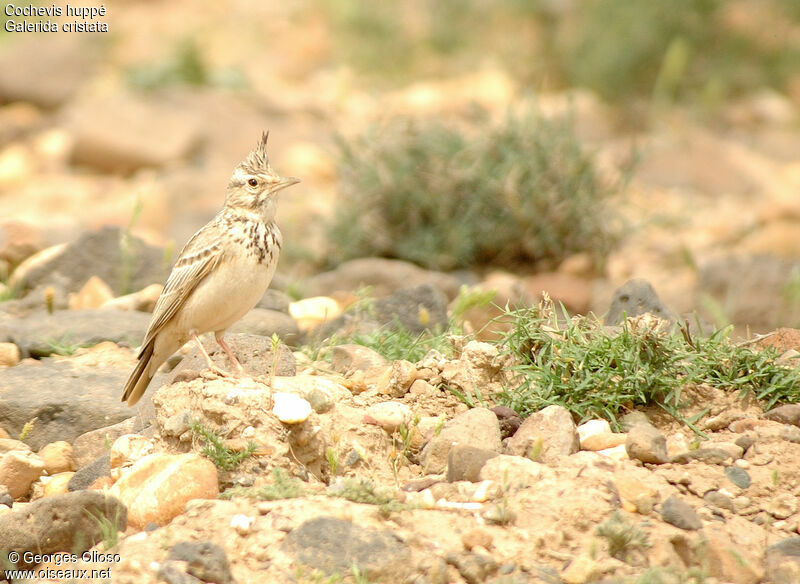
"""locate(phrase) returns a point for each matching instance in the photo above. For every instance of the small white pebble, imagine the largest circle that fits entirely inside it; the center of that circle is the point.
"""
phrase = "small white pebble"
(481, 494)
(243, 524)
(290, 408)
(742, 463)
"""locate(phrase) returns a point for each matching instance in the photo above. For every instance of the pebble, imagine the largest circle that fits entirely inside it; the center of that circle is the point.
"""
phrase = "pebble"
(646, 444)
(592, 428)
(680, 514)
(781, 506)
(9, 354)
(397, 379)
(243, 524)
(309, 313)
(389, 415)
(464, 463)
(636, 496)
(717, 499)
(290, 408)
(18, 471)
(475, 538)
(129, 448)
(738, 476)
(57, 457)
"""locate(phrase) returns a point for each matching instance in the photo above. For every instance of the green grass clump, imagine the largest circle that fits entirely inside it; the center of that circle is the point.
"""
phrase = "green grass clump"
(364, 491)
(623, 537)
(282, 487)
(215, 450)
(520, 191)
(597, 371)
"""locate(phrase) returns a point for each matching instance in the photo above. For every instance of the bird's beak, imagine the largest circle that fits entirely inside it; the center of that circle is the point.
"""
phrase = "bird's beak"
(285, 182)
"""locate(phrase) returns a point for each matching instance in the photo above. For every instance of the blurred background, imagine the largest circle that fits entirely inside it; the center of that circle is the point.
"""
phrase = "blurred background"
(566, 145)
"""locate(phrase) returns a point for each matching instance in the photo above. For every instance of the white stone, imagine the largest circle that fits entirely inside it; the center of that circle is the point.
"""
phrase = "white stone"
(592, 428)
(290, 408)
(243, 524)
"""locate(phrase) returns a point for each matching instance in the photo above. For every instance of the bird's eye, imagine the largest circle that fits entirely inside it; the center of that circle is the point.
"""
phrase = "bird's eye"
(252, 182)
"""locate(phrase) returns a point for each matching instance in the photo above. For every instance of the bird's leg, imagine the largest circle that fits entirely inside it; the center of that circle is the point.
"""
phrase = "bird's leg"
(229, 353)
(204, 353)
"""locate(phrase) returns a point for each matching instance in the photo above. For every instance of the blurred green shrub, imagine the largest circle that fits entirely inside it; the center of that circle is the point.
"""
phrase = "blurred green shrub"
(186, 65)
(621, 49)
(516, 192)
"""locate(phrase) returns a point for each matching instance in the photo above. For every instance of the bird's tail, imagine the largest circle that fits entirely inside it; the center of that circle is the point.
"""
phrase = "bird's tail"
(140, 376)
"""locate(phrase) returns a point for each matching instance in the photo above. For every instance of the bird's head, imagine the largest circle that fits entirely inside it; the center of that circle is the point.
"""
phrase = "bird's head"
(254, 184)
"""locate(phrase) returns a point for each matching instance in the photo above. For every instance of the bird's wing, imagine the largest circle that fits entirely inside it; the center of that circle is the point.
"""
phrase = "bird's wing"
(198, 257)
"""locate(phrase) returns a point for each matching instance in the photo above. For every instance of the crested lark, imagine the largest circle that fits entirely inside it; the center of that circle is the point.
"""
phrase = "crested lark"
(221, 273)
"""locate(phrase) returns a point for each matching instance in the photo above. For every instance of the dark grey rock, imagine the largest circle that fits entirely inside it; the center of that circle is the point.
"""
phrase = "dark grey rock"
(60, 523)
(647, 444)
(717, 499)
(173, 573)
(783, 562)
(41, 334)
(680, 514)
(126, 264)
(66, 399)
(205, 560)
(414, 309)
(334, 545)
(5, 497)
(785, 414)
(253, 352)
(738, 476)
(474, 568)
(636, 297)
(509, 420)
(464, 463)
(45, 70)
(84, 477)
(745, 441)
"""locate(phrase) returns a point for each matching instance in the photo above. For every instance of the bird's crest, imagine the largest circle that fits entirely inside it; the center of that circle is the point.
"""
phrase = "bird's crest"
(257, 161)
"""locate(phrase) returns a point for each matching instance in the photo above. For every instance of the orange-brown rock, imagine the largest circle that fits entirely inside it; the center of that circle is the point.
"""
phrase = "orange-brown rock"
(158, 486)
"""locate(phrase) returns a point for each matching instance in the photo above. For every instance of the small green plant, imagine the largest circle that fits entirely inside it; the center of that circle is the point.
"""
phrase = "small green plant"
(215, 450)
(598, 371)
(128, 249)
(623, 536)
(282, 487)
(27, 428)
(775, 477)
(275, 344)
(64, 347)
(333, 460)
(519, 191)
(364, 491)
(109, 528)
(392, 342)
